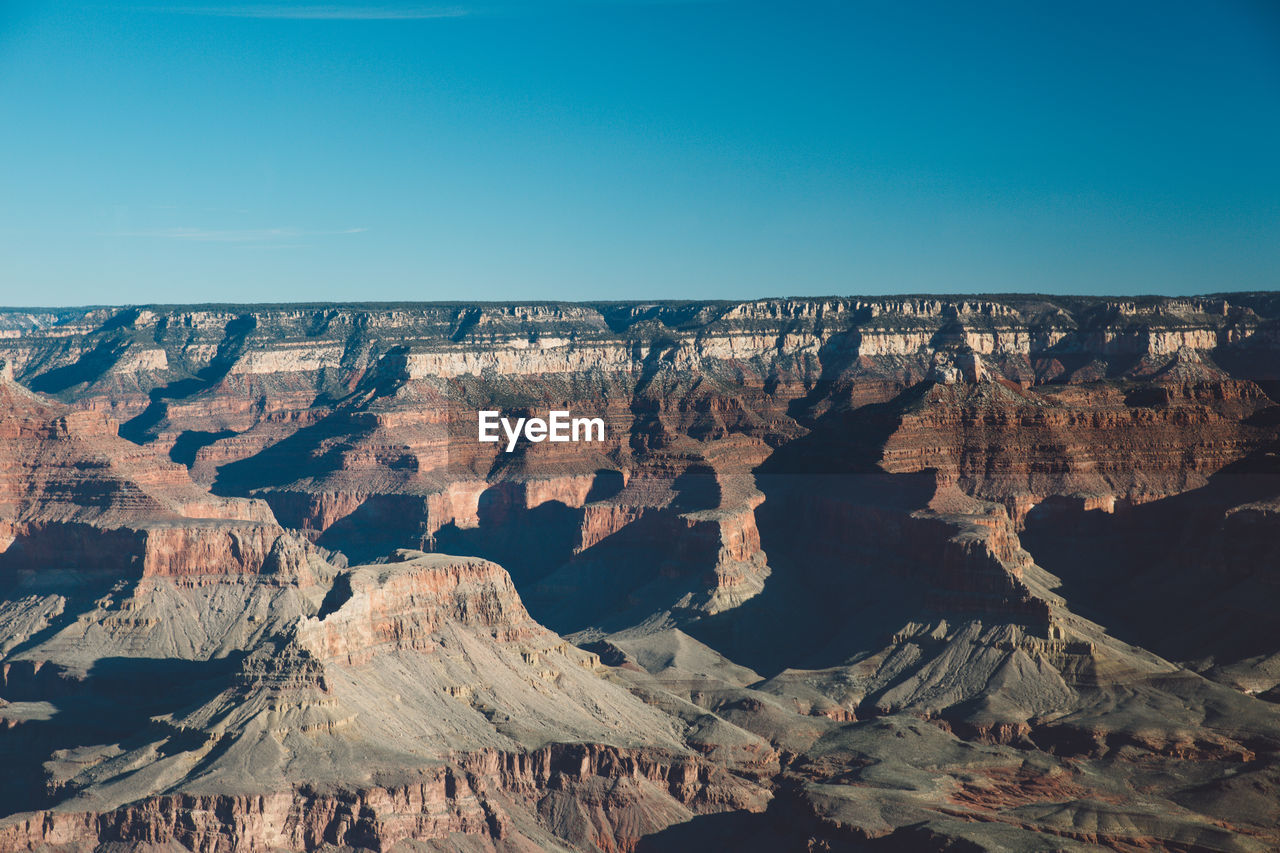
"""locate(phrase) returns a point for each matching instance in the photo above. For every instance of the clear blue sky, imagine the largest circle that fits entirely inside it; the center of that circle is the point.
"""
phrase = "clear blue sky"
(622, 149)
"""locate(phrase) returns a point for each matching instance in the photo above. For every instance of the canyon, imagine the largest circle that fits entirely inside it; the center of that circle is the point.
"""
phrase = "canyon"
(908, 573)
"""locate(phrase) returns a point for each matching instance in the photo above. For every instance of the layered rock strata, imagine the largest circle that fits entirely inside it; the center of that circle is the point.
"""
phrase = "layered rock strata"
(910, 573)
(75, 494)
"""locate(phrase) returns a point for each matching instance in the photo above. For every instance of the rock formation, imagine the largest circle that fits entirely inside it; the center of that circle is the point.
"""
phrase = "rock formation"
(903, 574)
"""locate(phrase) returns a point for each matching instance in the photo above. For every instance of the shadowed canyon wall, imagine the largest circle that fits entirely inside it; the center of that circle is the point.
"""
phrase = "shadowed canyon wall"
(906, 573)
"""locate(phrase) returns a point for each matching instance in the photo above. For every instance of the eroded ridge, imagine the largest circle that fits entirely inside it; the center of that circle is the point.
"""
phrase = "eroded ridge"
(903, 574)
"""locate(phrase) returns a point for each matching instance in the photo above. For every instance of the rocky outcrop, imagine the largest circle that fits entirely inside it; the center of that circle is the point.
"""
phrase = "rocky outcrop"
(415, 700)
(1104, 447)
(73, 493)
(585, 796)
(900, 573)
(400, 606)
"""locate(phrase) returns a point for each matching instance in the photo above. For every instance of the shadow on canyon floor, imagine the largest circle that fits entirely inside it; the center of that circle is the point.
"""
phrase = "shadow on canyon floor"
(833, 526)
(629, 573)
(113, 703)
(839, 584)
(139, 428)
(528, 543)
(1188, 577)
(741, 831)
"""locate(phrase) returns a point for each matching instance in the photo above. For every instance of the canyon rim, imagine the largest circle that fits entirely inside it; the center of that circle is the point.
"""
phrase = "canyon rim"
(913, 573)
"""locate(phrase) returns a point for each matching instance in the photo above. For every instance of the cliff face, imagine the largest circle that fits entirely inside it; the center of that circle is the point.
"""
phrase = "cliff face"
(1101, 446)
(416, 700)
(812, 524)
(73, 493)
(351, 418)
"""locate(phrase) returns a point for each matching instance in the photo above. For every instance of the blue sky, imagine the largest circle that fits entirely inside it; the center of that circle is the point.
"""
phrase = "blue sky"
(622, 149)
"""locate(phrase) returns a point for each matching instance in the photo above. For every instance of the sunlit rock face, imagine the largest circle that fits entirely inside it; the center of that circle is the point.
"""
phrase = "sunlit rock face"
(907, 573)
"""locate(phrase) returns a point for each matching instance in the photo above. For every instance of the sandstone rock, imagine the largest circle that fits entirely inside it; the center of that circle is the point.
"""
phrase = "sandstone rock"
(902, 573)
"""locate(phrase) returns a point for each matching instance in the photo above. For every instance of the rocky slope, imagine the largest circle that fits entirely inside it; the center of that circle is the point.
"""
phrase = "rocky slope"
(416, 700)
(73, 493)
(914, 573)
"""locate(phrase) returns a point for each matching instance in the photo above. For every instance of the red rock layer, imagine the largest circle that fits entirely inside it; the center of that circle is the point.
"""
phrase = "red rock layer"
(403, 608)
(75, 495)
(1003, 443)
(489, 796)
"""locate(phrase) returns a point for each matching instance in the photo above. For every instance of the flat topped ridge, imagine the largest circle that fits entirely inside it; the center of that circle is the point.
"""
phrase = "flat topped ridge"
(403, 603)
(408, 561)
(442, 579)
(34, 313)
(464, 316)
(184, 353)
(429, 560)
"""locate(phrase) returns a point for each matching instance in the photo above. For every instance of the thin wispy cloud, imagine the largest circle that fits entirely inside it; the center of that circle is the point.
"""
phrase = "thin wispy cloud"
(198, 209)
(232, 235)
(334, 12)
(411, 12)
